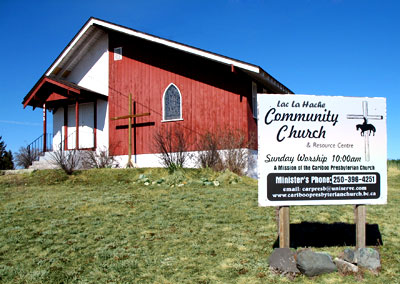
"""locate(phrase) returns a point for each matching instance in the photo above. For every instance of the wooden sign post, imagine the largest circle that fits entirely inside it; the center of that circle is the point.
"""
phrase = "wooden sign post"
(360, 216)
(284, 227)
(129, 117)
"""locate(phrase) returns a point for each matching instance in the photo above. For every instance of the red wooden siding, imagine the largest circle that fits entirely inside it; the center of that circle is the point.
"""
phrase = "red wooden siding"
(213, 96)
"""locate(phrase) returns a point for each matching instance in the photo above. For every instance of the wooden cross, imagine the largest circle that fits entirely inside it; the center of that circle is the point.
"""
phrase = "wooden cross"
(365, 116)
(129, 117)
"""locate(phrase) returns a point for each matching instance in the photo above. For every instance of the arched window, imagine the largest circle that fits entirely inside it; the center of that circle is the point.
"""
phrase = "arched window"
(172, 103)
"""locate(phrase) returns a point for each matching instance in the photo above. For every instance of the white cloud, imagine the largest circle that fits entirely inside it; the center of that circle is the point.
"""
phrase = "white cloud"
(20, 122)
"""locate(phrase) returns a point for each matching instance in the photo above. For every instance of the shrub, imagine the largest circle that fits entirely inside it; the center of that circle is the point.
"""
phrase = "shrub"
(26, 156)
(209, 157)
(235, 152)
(393, 164)
(68, 161)
(172, 146)
(97, 159)
(225, 149)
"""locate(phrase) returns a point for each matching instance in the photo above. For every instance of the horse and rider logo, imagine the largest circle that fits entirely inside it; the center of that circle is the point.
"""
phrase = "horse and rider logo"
(366, 127)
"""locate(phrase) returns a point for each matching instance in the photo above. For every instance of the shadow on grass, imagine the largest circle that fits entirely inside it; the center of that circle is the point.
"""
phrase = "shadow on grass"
(316, 234)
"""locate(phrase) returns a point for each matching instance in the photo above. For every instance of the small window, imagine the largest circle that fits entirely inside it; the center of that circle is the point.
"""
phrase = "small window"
(254, 99)
(117, 53)
(172, 104)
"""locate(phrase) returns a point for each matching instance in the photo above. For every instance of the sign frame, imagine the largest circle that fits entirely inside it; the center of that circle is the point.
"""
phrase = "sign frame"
(333, 146)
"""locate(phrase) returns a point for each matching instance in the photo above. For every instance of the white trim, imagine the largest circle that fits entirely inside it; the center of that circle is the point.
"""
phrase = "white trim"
(178, 119)
(163, 104)
(182, 47)
(153, 161)
(66, 51)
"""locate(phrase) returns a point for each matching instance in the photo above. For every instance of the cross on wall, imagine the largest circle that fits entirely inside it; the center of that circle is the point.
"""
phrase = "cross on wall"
(365, 116)
(129, 117)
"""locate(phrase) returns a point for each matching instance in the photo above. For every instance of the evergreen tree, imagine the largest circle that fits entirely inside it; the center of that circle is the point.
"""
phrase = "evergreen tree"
(6, 158)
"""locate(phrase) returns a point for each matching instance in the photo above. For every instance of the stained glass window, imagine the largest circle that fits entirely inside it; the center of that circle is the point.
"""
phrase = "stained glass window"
(172, 103)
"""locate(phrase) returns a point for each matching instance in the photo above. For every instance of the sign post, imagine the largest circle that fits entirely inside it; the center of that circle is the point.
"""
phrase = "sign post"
(360, 218)
(310, 153)
(284, 227)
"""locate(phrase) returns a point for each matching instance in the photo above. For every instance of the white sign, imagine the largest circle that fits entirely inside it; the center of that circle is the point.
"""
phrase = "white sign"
(315, 150)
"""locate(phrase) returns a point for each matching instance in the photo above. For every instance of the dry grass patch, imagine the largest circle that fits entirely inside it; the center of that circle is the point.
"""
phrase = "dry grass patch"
(103, 226)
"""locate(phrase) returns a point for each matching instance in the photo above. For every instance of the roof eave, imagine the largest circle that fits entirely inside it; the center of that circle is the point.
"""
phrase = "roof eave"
(173, 44)
(275, 82)
(68, 87)
(186, 48)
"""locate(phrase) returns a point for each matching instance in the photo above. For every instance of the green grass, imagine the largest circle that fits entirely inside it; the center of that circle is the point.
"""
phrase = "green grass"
(108, 226)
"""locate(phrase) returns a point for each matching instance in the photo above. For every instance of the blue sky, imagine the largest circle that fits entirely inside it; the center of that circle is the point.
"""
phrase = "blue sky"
(320, 47)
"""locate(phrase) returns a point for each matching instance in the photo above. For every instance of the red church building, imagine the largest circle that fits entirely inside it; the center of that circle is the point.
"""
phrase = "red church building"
(178, 85)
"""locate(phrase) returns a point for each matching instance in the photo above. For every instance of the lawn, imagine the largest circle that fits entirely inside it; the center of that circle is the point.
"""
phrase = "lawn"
(145, 226)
